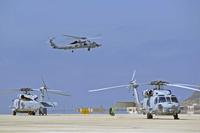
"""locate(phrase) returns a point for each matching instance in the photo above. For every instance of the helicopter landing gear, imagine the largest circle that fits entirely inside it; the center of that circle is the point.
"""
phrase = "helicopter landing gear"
(31, 113)
(176, 116)
(72, 51)
(43, 111)
(88, 49)
(14, 113)
(149, 116)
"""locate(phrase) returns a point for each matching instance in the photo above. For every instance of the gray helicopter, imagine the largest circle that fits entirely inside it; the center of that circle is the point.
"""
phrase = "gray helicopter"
(26, 102)
(157, 101)
(78, 43)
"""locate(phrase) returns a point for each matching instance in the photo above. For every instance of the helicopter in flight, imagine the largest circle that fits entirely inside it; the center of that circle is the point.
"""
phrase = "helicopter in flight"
(26, 102)
(157, 100)
(78, 43)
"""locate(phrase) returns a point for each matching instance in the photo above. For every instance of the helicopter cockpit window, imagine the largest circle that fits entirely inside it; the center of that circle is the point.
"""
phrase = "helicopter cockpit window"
(174, 99)
(25, 98)
(168, 99)
(162, 99)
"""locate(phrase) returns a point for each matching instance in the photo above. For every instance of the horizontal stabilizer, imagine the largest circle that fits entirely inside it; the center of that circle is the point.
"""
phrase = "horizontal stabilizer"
(48, 104)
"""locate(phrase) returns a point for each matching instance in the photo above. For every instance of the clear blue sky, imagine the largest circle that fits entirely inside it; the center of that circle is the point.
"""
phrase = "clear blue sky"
(159, 39)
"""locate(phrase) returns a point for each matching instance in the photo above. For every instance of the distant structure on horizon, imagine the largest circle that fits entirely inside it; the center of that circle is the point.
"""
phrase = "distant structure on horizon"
(192, 104)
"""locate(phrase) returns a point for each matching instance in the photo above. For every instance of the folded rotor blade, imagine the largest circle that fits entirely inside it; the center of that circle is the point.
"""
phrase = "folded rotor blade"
(108, 88)
(185, 87)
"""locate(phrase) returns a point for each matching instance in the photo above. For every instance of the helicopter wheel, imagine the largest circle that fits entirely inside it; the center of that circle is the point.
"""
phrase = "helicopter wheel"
(88, 49)
(72, 51)
(14, 113)
(40, 112)
(45, 111)
(33, 113)
(149, 116)
(176, 116)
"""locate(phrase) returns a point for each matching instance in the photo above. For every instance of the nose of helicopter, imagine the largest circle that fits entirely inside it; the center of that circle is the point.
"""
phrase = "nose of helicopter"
(169, 108)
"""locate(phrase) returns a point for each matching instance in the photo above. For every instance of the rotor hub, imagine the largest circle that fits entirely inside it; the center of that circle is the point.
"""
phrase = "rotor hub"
(133, 84)
(159, 84)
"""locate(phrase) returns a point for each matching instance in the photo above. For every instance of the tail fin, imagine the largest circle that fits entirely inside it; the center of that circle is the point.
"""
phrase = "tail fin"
(53, 45)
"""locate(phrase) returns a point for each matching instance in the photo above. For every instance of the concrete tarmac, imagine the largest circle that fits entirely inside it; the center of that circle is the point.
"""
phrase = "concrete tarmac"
(98, 123)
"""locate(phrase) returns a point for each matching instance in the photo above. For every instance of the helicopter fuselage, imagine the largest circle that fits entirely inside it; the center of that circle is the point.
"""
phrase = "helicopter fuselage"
(160, 102)
(25, 103)
(77, 44)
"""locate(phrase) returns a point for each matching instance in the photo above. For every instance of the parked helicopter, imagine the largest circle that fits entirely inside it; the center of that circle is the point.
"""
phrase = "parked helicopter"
(157, 100)
(29, 103)
(80, 42)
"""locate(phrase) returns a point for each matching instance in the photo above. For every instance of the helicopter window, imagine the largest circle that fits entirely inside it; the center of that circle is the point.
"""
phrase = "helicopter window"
(26, 99)
(174, 99)
(74, 42)
(156, 101)
(168, 99)
(162, 99)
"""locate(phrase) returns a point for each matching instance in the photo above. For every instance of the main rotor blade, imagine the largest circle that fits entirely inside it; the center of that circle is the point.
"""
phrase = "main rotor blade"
(108, 88)
(57, 92)
(97, 36)
(94, 38)
(75, 37)
(51, 38)
(36, 89)
(43, 82)
(5, 91)
(195, 86)
(185, 87)
(133, 75)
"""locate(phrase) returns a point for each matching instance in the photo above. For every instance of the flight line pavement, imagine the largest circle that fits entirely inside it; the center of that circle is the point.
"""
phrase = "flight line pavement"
(98, 123)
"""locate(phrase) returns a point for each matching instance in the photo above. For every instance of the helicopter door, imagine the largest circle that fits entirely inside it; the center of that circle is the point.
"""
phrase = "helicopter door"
(18, 104)
(148, 102)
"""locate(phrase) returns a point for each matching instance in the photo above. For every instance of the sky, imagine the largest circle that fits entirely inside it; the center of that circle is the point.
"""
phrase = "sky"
(160, 39)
